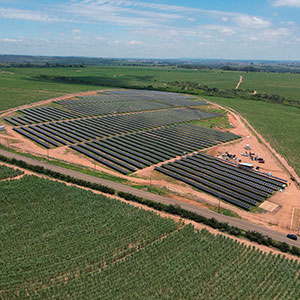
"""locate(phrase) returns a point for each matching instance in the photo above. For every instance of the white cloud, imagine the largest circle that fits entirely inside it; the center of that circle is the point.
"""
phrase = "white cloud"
(28, 15)
(228, 31)
(290, 3)
(7, 40)
(75, 31)
(135, 43)
(252, 21)
(280, 32)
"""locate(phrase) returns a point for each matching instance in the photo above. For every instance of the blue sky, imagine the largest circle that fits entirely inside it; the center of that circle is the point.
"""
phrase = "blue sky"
(231, 29)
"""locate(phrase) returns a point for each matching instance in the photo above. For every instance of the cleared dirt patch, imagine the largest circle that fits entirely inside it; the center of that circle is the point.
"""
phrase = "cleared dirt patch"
(296, 219)
(269, 206)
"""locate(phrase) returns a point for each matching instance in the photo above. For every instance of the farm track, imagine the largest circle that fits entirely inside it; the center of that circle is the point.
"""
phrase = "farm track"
(165, 200)
(239, 83)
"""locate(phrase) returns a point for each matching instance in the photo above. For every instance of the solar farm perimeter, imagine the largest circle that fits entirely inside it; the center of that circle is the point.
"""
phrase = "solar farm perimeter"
(129, 130)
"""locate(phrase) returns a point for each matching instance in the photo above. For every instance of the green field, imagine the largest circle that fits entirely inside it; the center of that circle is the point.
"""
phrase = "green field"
(7, 172)
(284, 84)
(72, 244)
(20, 88)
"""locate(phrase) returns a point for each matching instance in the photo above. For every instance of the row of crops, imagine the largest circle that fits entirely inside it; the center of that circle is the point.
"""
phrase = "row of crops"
(130, 152)
(243, 188)
(58, 230)
(73, 131)
(8, 172)
(72, 244)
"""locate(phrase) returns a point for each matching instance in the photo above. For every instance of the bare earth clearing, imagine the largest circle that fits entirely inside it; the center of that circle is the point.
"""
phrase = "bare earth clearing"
(287, 201)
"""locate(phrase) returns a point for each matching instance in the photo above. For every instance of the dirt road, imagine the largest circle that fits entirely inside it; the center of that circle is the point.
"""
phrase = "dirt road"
(239, 83)
(165, 200)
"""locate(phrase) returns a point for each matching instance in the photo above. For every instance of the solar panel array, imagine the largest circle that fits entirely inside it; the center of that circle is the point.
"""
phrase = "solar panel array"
(93, 108)
(139, 150)
(171, 99)
(130, 142)
(41, 114)
(85, 129)
(244, 188)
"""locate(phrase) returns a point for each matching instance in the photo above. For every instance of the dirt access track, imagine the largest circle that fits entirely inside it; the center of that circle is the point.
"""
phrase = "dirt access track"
(280, 219)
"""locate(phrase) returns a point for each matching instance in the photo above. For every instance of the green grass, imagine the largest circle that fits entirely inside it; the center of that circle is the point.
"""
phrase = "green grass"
(7, 172)
(278, 124)
(151, 189)
(62, 242)
(215, 123)
(19, 89)
(223, 211)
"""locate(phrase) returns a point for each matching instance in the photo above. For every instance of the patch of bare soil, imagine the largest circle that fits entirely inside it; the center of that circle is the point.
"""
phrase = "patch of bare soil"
(7, 72)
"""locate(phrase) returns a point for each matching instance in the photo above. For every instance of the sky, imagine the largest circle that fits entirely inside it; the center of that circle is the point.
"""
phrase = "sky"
(215, 29)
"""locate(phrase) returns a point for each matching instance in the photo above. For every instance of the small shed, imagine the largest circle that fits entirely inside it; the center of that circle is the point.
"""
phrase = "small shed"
(2, 127)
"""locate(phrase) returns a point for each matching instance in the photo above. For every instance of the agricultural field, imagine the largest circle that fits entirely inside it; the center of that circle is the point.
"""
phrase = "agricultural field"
(273, 83)
(73, 244)
(26, 85)
(7, 172)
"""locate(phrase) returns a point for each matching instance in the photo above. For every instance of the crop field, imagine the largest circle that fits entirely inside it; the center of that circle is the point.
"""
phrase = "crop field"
(20, 85)
(278, 124)
(273, 83)
(224, 180)
(7, 172)
(73, 244)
